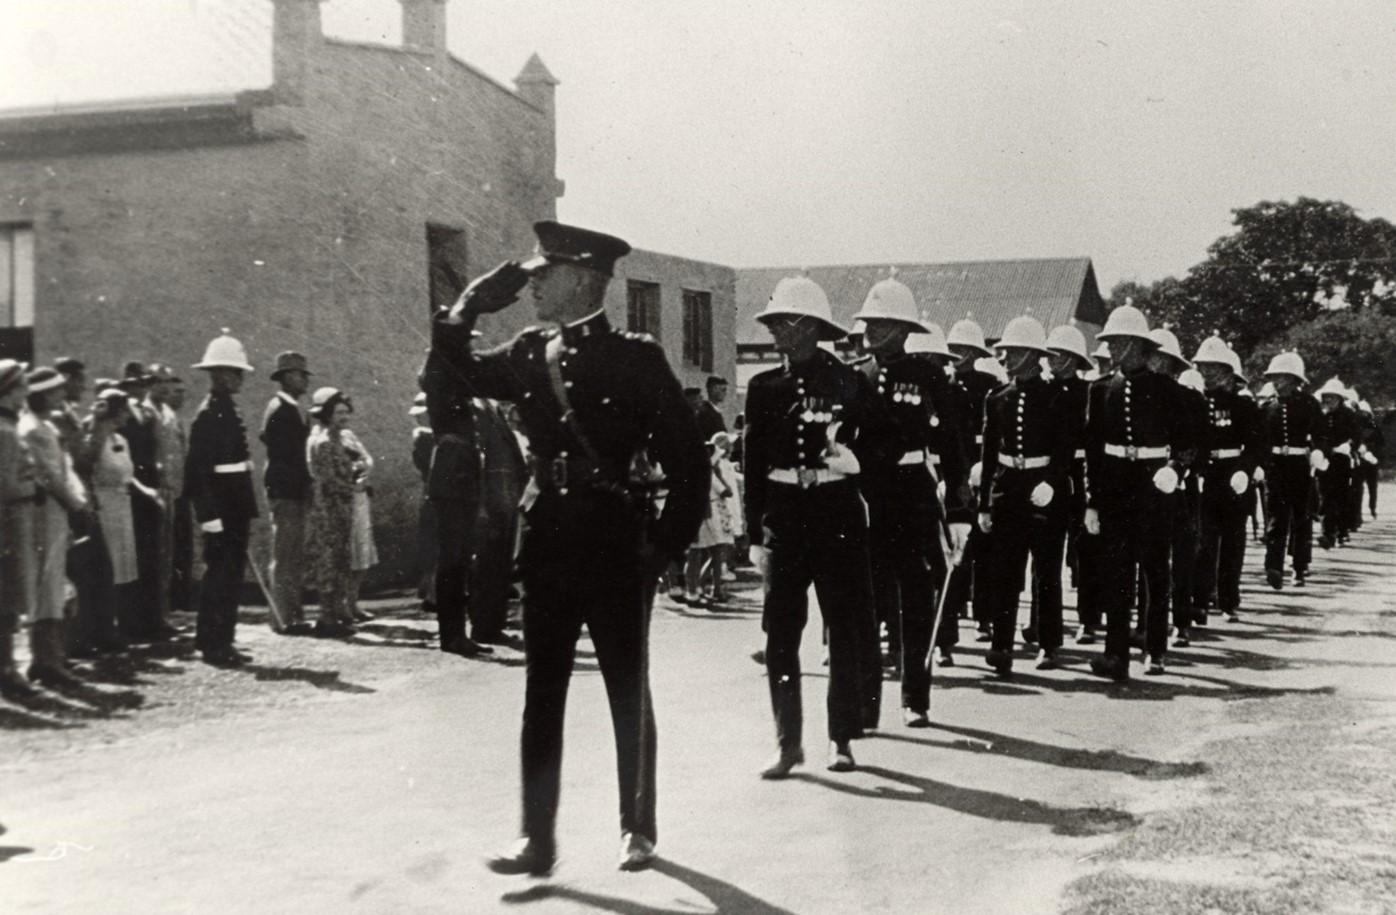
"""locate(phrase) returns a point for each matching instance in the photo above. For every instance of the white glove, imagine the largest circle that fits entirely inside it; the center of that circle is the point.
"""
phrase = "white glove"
(212, 527)
(1166, 480)
(940, 492)
(1369, 457)
(837, 457)
(976, 474)
(1092, 522)
(760, 557)
(1042, 494)
(1259, 475)
(1344, 448)
(1239, 482)
(959, 536)
(986, 522)
(1318, 460)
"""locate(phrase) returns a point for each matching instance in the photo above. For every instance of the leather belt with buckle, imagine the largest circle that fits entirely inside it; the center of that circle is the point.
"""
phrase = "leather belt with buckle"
(1138, 452)
(804, 477)
(1022, 462)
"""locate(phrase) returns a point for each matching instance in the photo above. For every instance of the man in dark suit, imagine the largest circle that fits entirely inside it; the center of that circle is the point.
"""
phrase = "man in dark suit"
(592, 399)
(710, 421)
(284, 431)
(503, 476)
(138, 611)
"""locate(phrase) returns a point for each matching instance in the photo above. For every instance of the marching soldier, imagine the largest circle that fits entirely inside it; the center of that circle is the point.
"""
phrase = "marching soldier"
(1136, 440)
(907, 563)
(1337, 434)
(812, 425)
(1370, 451)
(1067, 358)
(1023, 496)
(1232, 438)
(592, 399)
(218, 480)
(1291, 423)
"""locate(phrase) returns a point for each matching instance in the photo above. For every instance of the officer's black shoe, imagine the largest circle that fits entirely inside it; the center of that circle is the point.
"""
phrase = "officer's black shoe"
(982, 633)
(465, 646)
(223, 658)
(300, 627)
(1275, 578)
(14, 686)
(1047, 660)
(1137, 638)
(1326, 542)
(332, 629)
(1301, 578)
(840, 757)
(913, 718)
(636, 852)
(785, 761)
(1184, 637)
(947, 658)
(1199, 619)
(1000, 661)
(1087, 636)
(1155, 667)
(525, 857)
(1116, 669)
(1232, 617)
(490, 638)
(1029, 636)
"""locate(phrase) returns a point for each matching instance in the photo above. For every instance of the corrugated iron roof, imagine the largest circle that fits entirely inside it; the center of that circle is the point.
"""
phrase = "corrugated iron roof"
(1053, 290)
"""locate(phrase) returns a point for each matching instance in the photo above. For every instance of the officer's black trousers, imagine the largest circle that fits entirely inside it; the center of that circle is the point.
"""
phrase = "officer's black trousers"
(1337, 502)
(1020, 531)
(455, 542)
(1221, 551)
(1136, 537)
(1183, 560)
(580, 563)
(968, 587)
(908, 566)
(225, 562)
(1288, 487)
(819, 535)
(1090, 581)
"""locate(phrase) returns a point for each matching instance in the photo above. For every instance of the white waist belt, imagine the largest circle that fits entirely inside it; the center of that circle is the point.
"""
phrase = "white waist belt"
(1226, 453)
(804, 478)
(1018, 462)
(1080, 454)
(979, 439)
(1133, 453)
(239, 467)
(914, 457)
(933, 459)
(1290, 451)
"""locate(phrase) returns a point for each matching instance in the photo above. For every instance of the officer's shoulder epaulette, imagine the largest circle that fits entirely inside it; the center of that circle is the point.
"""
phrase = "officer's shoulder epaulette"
(639, 336)
(860, 360)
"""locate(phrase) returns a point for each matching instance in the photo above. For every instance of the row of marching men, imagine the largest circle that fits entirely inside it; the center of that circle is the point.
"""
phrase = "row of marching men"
(918, 480)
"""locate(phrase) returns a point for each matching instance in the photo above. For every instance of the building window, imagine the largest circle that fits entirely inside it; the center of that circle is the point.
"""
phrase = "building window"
(698, 329)
(17, 292)
(447, 265)
(642, 308)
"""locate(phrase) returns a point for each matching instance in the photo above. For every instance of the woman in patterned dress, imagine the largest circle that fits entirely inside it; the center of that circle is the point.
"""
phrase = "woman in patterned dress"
(337, 477)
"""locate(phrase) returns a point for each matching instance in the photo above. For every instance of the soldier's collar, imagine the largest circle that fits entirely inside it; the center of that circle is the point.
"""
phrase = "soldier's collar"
(593, 325)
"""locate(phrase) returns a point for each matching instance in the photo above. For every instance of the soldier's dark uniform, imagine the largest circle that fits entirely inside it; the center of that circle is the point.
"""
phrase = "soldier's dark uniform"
(584, 557)
(1290, 425)
(1369, 471)
(814, 523)
(218, 482)
(967, 585)
(907, 563)
(1337, 435)
(1233, 443)
(1069, 410)
(1187, 509)
(1135, 425)
(1026, 443)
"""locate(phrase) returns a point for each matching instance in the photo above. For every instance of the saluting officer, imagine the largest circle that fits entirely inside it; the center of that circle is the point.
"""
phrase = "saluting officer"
(1023, 496)
(907, 563)
(1067, 358)
(1291, 425)
(1136, 443)
(592, 399)
(218, 481)
(1337, 436)
(812, 425)
(1233, 440)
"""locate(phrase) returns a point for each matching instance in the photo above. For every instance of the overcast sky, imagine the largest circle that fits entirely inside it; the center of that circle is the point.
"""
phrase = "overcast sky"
(845, 131)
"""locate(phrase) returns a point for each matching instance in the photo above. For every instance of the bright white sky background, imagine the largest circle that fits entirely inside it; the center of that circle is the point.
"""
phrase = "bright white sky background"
(789, 132)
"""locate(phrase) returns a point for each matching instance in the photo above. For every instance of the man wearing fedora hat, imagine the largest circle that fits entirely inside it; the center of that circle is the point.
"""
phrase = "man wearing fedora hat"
(284, 432)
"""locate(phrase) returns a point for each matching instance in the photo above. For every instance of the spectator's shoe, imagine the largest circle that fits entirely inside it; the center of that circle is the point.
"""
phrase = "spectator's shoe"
(53, 676)
(224, 657)
(242, 656)
(1000, 661)
(1087, 636)
(785, 761)
(363, 616)
(1184, 637)
(1047, 660)
(840, 757)
(525, 857)
(636, 852)
(1116, 669)
(982, 633)
(1029, 636)
(1232, 616)
(1326, 542)
(13, 685)
(465, 647)
(1275, 578)
(333, 629)
(490, 638)
(947, 657)
(1155, 667)
(913, 718)
(1301, 578)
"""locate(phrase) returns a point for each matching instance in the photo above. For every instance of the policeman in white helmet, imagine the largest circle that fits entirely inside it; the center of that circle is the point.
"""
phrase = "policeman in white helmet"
(1023, 501)
(1233, 442)
(1338, 437)
(218, 483)
(1138, 441)
(908, 566)
(1067, 361)
(1290, 424)
(812, 425)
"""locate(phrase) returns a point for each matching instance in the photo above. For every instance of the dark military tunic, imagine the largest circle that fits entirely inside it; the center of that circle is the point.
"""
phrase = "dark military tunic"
(218, 482)
(1291, 430)
(1337, 435)
(1233, 445)
(967, 585)
(1187, 509)
(1082, 555)
(814, 522)
(589, 552)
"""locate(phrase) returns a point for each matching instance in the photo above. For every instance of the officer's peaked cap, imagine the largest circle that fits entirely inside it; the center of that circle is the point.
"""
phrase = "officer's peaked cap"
(558, 243)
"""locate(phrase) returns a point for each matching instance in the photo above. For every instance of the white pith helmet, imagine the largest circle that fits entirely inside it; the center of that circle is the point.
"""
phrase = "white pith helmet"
(1233, 362)
(1167, 343)
(1125, 321)
(967, 332)
(1023, 332)
(803, 297)
(890, 300)
(1191, 378)
(1102, 351)
(932, 341)
(1067, 339)
(224, 352)
(1287, 364)
(992, 367)
(1213, 349)
(1332, 388)
(1268, 390)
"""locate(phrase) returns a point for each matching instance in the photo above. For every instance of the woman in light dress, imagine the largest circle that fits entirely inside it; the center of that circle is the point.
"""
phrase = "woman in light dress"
(114, 484)
(341, 522)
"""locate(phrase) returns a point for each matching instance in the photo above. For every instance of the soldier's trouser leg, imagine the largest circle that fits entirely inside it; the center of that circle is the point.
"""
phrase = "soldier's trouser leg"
(1118, 569)
(551, 625)
(288, 557)
(982, 589)
(1279, 517)
(1155, 548)
(455, 523)
(919, 572)
(1232, 555)
(1330, 487)
(1047, 545)
(887, 590)
(1005, 567)
(959, 585)
(1210, 519)
(1090, 581)
(1184, 557)
(181, 577)
(1302, 523)
(225, 561)
(1371, 476)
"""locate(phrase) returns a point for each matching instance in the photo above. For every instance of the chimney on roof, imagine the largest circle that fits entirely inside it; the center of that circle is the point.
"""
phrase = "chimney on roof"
(424, 25)
(536, 85)
(296, 37)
